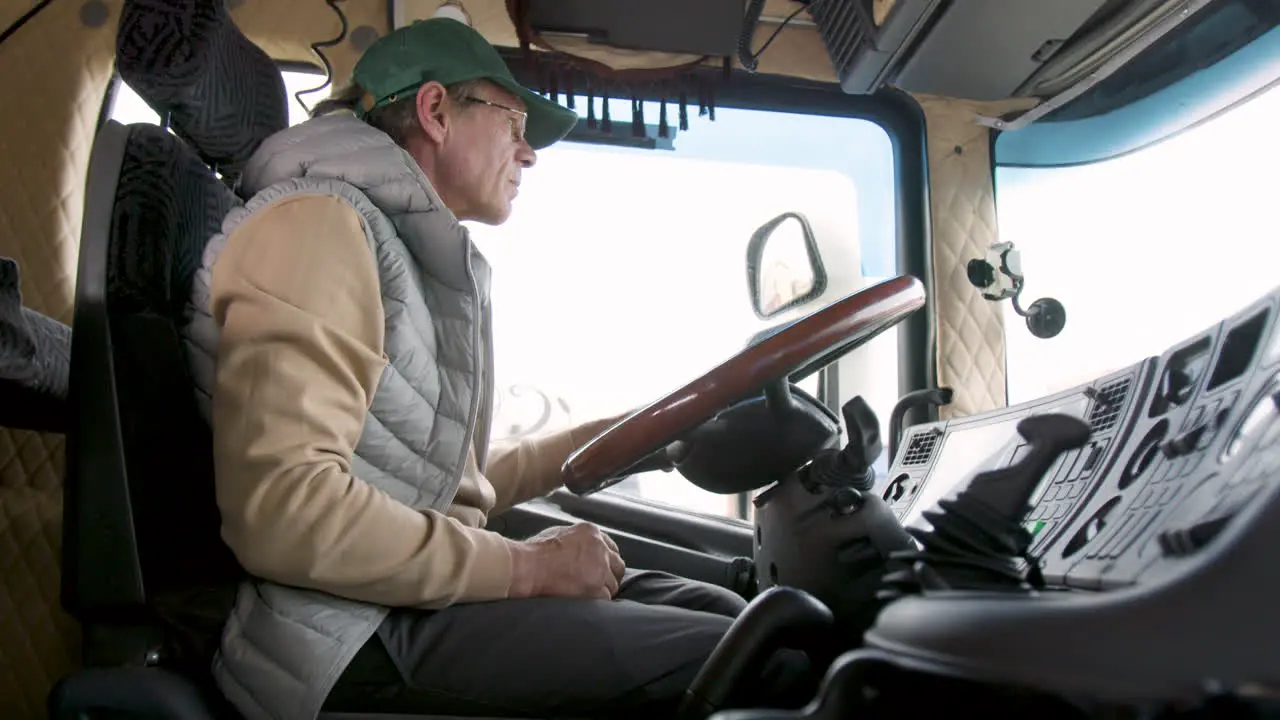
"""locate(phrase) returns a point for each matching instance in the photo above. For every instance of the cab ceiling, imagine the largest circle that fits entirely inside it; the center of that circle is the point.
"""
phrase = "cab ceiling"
(973, 49)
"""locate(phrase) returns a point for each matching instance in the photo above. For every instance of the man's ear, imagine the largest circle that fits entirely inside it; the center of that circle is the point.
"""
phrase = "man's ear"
(432, 118)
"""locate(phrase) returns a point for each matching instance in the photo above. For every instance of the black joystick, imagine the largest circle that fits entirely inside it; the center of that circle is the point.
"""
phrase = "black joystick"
(851, 467)
(977, 537)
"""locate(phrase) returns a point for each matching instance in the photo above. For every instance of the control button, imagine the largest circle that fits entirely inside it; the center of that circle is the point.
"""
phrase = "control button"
(1178, 385)
(1148, 497)
(896, 488)
(1181, 445)
(1229, 401)
(1092, 456)
(1189, 465)
(1160, 471)
(1184, 541)
(1213, 419)
(847, 501)
(1136, 530)
(1104, 550)
(1194, 418)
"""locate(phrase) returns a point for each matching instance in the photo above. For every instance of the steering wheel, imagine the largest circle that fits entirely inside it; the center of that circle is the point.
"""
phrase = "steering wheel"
(796, 350)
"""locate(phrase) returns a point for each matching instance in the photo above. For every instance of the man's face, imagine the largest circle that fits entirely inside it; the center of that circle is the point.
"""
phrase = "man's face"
(481, 154)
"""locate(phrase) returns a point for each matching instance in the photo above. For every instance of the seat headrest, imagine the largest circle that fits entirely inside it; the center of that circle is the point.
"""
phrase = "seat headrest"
(222, 94)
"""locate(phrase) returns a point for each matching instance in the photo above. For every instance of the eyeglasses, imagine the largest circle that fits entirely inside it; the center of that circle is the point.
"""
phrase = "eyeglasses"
(517, 122)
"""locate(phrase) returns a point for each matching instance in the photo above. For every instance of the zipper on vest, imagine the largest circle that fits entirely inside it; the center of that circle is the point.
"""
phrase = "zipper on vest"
(473, 415)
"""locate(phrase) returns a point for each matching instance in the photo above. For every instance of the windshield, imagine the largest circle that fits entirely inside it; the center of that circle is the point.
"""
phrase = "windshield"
(621, 275)
(1144, 250)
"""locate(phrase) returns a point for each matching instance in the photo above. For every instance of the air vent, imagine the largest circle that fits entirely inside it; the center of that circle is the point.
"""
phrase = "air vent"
(845, 27)
(1108, 403)
(920, 449)
(862, 52)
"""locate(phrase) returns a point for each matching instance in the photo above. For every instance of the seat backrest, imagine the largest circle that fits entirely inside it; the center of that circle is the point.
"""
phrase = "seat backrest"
(141, 527)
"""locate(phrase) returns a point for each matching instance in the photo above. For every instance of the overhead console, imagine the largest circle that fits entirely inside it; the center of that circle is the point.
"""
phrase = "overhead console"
(1155, 539)
(1051, 49)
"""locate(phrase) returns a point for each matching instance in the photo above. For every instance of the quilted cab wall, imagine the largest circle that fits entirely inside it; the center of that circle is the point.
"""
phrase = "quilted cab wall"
(57, 67)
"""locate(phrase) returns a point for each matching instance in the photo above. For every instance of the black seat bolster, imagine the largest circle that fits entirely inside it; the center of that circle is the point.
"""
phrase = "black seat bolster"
(134, 691)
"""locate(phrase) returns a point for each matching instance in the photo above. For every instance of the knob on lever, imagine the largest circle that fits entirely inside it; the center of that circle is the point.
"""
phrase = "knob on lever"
(976, 537)
(851, 466)
(777, 618)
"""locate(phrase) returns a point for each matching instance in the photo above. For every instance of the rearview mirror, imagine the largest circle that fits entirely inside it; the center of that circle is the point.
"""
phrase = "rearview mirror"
(783, 266)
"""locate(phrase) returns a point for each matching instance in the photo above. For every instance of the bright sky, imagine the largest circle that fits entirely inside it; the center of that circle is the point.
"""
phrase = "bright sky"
(614, 293)
(1144, 250)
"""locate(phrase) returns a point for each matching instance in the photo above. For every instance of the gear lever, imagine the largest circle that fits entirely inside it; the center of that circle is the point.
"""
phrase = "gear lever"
(851, 467)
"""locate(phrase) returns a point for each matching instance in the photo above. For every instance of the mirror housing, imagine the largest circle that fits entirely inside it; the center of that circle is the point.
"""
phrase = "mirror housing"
(784, 268)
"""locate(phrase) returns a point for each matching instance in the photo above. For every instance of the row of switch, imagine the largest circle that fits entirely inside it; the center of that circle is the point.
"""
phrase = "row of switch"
(1132, 525)
(1160, 490)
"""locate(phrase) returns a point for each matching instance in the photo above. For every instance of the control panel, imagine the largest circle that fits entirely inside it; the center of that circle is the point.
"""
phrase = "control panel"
(1158, 430)
(935, 459)
(1152, 535)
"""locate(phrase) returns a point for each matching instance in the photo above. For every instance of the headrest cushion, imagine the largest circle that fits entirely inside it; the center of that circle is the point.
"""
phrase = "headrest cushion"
(223, 95)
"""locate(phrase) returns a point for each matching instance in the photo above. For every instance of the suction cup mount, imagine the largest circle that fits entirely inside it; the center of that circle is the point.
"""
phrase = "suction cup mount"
(999, 276)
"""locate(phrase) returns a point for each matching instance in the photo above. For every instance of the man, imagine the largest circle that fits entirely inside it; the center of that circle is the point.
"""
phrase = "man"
(350, 413)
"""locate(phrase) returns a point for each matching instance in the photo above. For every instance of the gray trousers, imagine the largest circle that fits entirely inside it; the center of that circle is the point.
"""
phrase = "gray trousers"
(633, 656)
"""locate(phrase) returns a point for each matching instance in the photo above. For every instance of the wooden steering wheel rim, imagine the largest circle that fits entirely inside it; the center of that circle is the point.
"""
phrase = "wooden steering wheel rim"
(831, 331)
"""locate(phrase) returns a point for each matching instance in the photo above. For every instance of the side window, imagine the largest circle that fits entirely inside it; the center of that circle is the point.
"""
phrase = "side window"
(621, 274)
(128, 108)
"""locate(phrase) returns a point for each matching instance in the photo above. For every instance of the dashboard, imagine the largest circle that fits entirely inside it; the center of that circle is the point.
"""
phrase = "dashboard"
(1155, 539)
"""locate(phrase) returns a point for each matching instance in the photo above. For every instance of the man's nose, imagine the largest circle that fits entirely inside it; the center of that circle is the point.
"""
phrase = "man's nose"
(526, 155)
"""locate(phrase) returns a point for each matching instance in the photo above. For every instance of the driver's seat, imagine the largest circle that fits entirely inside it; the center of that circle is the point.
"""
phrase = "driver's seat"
(144, 567)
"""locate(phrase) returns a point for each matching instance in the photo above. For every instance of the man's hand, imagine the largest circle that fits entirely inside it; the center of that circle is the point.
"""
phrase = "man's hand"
(574, 561)
(587, 431)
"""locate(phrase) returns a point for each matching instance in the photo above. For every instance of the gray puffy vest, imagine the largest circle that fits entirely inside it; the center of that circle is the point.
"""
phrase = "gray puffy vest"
(283, 648)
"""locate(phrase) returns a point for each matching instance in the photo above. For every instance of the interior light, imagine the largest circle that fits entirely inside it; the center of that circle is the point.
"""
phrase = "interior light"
(454, 9)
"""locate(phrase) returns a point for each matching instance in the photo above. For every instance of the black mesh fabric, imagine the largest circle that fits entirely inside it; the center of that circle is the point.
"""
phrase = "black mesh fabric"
(221, 93)
(168, 204)
(35, 352)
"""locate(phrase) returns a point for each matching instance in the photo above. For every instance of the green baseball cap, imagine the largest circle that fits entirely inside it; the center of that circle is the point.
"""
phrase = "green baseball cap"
(449, 52)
